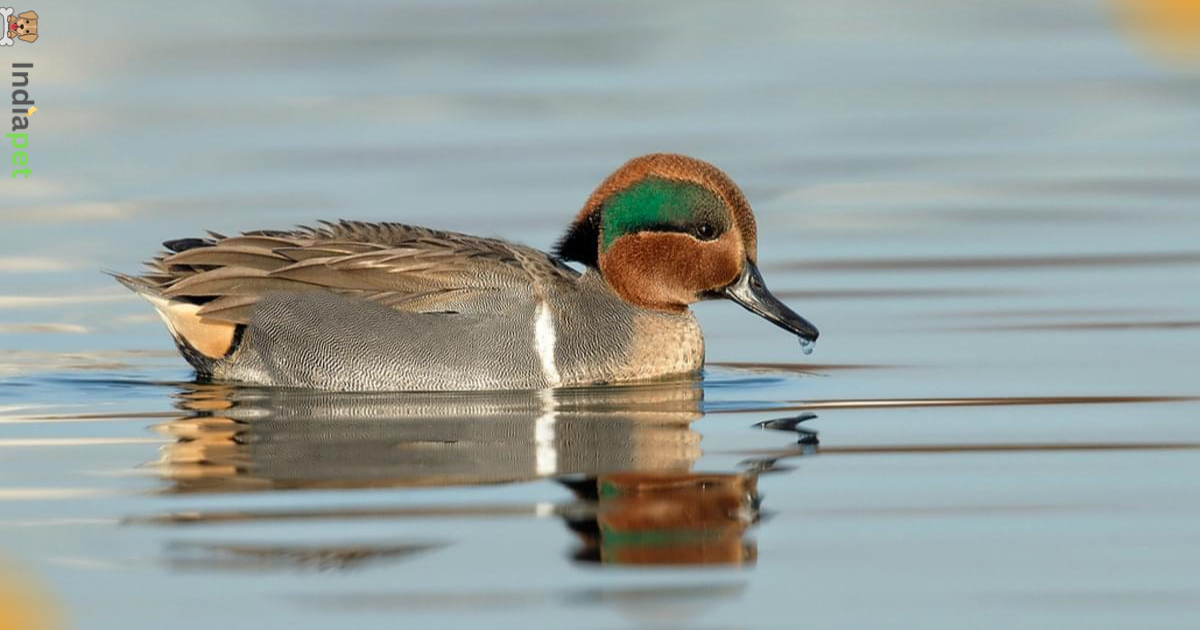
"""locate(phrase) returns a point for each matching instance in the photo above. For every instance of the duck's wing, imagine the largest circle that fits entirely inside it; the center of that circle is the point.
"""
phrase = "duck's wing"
(408, 268)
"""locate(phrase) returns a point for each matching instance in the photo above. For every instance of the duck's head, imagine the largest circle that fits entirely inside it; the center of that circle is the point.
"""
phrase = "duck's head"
(667, 230)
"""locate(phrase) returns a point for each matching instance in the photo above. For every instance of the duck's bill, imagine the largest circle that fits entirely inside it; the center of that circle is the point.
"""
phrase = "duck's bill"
(751, 292)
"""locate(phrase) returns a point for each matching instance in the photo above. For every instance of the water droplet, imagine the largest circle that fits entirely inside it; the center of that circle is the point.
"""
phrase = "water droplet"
(806, 346)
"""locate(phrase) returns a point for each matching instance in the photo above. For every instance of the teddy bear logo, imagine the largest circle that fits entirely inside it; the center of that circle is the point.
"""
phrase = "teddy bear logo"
(23, 27)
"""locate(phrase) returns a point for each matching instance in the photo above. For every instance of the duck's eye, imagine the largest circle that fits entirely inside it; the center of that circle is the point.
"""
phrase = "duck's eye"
(705, 231)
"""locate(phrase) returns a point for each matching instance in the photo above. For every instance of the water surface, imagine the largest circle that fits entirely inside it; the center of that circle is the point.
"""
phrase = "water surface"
(989, 210)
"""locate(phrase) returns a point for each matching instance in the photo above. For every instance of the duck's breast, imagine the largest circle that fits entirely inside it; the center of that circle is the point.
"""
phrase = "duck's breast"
(600, 338)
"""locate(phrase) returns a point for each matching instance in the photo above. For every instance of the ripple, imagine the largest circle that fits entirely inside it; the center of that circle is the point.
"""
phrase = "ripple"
(259, 557)
(1089, 326)
(979, 402)
(999, 262)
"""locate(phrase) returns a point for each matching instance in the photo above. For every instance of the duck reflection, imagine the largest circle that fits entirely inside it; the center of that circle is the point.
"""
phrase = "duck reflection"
(657, 518)
(240, 439)
(627, 454)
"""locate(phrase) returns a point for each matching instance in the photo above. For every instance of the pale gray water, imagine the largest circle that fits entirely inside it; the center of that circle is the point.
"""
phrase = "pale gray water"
(990, 209)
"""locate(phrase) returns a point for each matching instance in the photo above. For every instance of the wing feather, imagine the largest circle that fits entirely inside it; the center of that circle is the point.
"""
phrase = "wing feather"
(223, 255)
(408, 268)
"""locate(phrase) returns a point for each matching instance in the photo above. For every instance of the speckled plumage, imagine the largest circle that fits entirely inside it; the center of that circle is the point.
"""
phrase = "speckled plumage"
(357, 306)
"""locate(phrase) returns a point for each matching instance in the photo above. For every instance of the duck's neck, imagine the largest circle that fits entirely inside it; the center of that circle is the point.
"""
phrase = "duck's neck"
(617, 341)
(594, 280)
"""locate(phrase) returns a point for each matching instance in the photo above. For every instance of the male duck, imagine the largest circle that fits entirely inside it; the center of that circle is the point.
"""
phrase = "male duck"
(358, 306)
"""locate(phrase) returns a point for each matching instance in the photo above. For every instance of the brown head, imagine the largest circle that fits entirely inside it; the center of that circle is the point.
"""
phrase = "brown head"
(667, 230)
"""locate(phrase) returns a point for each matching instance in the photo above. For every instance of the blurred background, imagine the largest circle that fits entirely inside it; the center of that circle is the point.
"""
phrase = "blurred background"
(990, 209)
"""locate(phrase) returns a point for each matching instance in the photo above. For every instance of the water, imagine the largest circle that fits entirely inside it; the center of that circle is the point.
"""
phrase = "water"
(989, 210)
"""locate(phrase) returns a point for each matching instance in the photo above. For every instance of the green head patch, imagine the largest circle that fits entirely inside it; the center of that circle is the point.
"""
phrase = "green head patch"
(656, 204)
(651, 204)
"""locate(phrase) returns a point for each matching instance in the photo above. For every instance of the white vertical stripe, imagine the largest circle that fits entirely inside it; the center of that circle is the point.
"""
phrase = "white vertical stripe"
(544, 436)
(543, 339)
(545, 451)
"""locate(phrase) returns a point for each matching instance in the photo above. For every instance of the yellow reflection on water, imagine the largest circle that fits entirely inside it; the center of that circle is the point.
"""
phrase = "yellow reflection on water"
(24, 602)
(1170, 28)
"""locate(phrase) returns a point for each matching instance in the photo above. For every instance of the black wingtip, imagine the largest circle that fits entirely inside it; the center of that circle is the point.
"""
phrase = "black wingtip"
(184, 244)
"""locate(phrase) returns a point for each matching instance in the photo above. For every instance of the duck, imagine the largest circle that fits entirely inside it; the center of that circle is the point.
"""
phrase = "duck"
(357, 306)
